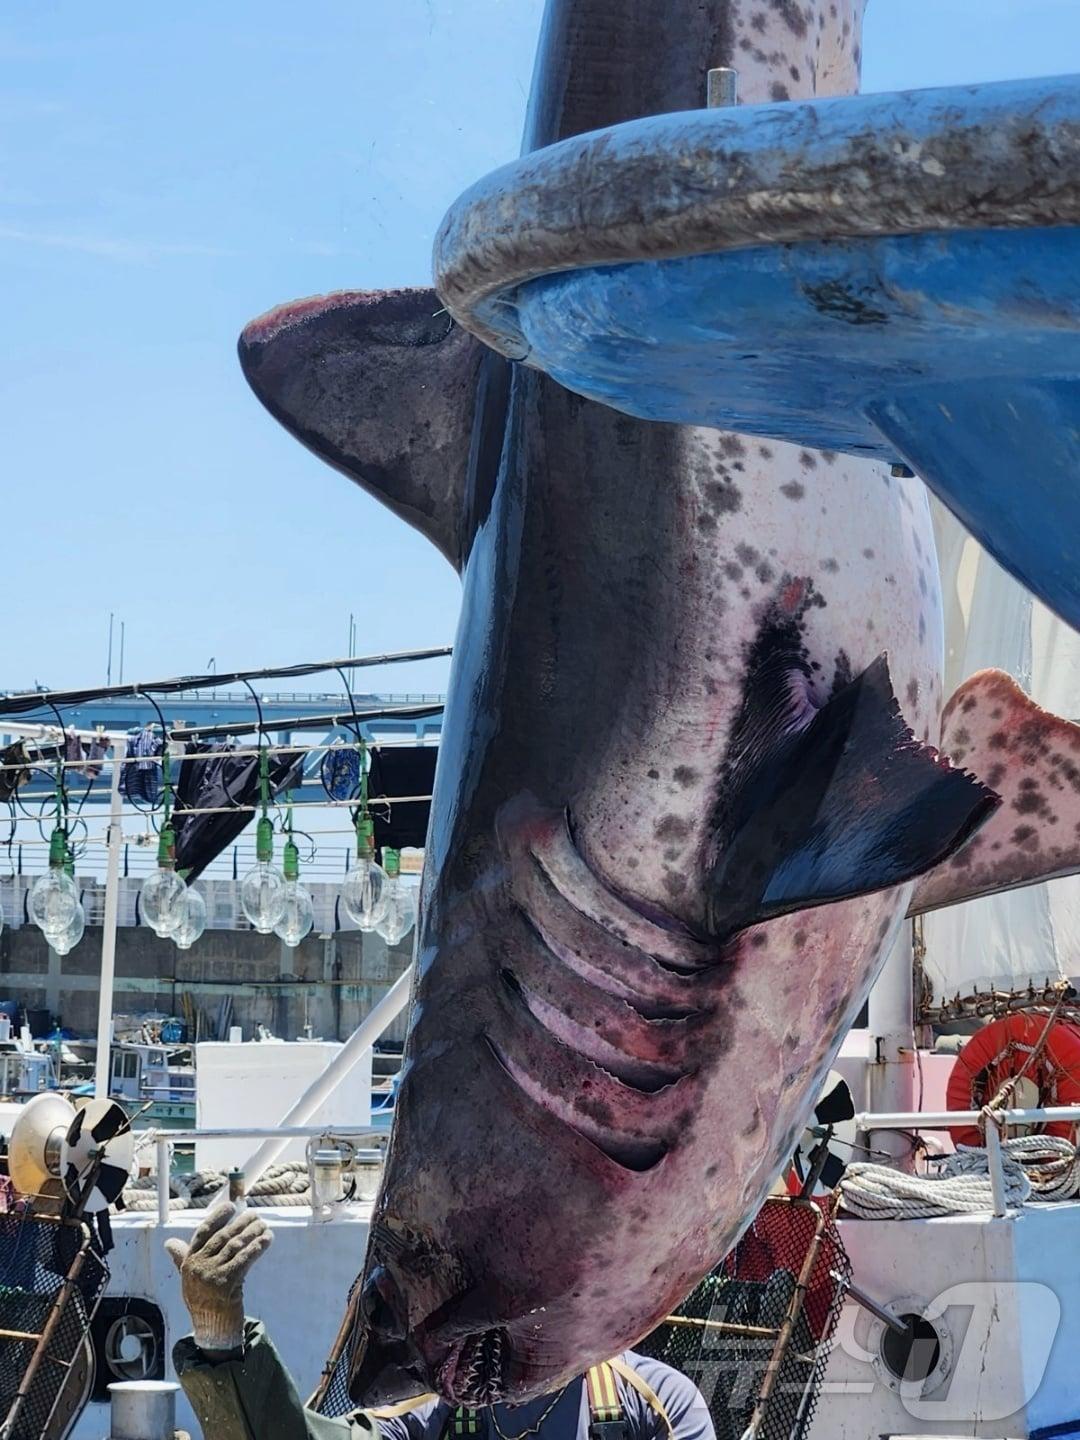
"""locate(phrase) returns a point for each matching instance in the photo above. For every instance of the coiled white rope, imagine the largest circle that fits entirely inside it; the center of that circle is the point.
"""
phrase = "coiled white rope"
(286, 1184)
(1040, 1167)
(1051, 1163)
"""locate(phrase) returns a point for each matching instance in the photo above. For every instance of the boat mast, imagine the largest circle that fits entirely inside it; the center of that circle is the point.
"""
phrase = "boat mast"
(891, 1031)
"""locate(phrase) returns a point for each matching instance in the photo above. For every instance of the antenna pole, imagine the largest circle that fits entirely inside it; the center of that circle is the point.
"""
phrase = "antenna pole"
(108, 925)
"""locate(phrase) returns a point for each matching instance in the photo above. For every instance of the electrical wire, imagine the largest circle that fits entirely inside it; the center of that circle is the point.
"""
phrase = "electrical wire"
(312, 722)
(34, 700)
(62, 756)
(258, 706)
(11, 833)
(296, 747)
(309, 859)
(19, 813)
(45, 799)
(359, 741)
(264, 766)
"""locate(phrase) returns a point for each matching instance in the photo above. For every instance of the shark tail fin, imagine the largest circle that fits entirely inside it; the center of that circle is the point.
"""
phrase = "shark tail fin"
(1031, 759)
(385, 387)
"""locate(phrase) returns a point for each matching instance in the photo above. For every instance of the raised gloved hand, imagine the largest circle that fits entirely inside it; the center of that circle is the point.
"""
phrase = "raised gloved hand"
(212, 1273)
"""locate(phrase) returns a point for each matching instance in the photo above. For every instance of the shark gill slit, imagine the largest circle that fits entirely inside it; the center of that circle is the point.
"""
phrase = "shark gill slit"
(622, 1104)
(549, 892)
(603, 979)
(645, 1076)
(630, 1152)
(670, 947)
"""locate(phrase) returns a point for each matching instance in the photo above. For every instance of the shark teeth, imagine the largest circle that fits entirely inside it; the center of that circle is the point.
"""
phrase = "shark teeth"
(479, 1378)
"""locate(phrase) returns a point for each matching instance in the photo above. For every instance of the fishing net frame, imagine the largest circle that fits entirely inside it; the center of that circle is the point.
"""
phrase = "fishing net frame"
(52, 1278)
(331, 1396)
(756, 1333)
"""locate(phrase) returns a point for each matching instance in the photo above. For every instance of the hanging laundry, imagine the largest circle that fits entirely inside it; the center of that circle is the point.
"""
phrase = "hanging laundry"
(96, 754)
(79, 758)
(401, 770)
(340, 772)
(74, 755)
(147, 744)
(141, 783)
(210, 778)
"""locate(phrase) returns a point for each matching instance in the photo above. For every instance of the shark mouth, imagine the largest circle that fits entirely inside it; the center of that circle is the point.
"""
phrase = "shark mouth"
(475, 1374)
(600, 1002)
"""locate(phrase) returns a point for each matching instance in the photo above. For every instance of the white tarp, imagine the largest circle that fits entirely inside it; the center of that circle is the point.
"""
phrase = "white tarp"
(1003, 941)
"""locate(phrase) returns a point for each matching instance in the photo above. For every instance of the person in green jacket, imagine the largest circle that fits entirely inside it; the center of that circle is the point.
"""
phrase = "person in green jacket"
(230, 1371)
(240, 1390)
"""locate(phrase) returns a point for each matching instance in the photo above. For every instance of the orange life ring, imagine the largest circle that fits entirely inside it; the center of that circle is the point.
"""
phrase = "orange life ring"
(999, 1051)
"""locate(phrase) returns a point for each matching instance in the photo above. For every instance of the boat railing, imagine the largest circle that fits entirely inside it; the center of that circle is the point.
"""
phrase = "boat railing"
(164, 1138)
(993, 1123)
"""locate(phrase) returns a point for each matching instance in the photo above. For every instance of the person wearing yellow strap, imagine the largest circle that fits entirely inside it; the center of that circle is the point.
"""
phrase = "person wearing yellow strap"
(240, 1390)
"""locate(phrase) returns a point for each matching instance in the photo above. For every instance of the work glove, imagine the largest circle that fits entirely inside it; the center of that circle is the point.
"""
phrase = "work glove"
(212, 1273)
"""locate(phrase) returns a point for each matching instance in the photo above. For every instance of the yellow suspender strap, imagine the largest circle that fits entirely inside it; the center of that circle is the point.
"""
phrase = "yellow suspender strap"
(391, 1412)
(603, 1397)
(645, 1390)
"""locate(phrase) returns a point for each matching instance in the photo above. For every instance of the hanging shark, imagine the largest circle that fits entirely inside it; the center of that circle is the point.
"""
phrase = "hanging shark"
(691, 778)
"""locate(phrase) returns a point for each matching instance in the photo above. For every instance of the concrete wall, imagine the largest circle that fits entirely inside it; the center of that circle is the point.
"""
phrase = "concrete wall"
(334, 980)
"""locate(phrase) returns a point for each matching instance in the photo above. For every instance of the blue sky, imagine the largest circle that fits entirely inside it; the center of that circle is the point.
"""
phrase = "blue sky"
(169, 171)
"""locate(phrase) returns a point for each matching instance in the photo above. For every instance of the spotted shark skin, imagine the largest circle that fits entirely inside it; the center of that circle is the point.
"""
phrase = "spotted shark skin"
(685, 784)
(1031, 759)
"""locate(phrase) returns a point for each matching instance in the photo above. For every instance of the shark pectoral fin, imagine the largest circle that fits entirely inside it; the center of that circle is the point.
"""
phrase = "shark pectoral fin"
(831, 803)
(385, 387)
(1032, 760)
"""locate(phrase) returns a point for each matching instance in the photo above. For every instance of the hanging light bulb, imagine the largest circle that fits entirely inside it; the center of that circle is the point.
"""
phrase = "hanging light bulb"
(192, 920)
(67, 939)
(400, 916)
(161, 900)
(298, 916)
(53, 896)
(363, 892)
(262, 890)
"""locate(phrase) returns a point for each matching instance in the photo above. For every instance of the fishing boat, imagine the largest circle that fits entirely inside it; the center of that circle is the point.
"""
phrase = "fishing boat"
(941, 1324)
(156, 1080)
(25, 1071)
(945, 1324)
(912, 1275)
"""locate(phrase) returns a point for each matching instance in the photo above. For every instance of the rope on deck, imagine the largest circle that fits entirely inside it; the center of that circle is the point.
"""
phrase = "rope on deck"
(282, 1185)
(1039, 1167)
